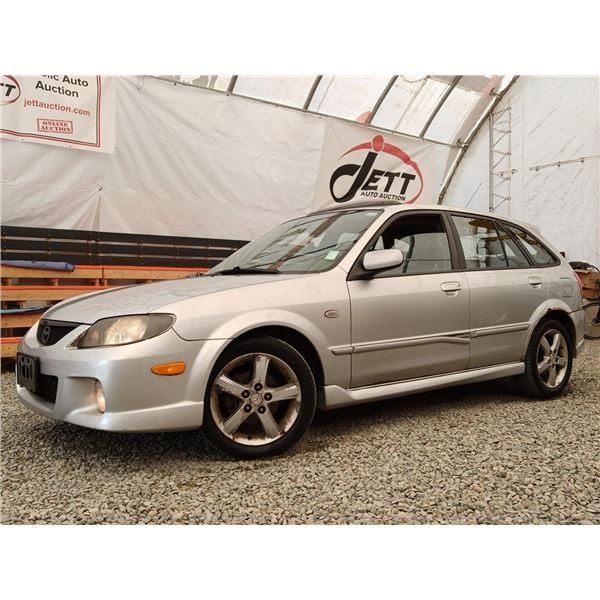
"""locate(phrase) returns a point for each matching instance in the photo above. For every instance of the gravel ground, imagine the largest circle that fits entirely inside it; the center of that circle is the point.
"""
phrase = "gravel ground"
(474, 454)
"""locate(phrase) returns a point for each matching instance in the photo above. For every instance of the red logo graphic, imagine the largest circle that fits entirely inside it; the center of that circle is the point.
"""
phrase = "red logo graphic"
(10, 90)
(404, 186)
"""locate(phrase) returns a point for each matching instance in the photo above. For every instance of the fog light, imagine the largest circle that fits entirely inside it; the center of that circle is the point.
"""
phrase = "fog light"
(100, 399)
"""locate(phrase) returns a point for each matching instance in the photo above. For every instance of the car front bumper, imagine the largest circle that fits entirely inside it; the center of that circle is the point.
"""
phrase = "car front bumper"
(136, 398)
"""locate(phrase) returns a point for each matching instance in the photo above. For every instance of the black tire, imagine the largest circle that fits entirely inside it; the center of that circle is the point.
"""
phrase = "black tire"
(531, 383)
(280, 353)
(591, 315)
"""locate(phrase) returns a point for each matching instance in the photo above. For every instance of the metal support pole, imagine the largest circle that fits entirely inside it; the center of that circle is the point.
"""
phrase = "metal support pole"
(439, 105)
(311, 92)
(471, 137)
(491, 164)
(381, 98)
(232, 82)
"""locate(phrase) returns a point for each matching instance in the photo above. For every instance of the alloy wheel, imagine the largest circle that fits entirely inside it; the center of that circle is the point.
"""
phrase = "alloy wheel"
(552, 358)
(255, 399)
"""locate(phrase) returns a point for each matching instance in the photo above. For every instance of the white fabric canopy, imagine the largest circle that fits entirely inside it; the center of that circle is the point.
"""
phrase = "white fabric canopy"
(191, 162)
(187, 162)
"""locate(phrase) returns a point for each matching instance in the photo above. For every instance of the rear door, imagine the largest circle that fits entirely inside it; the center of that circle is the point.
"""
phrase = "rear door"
(411, 321)
(506, 288)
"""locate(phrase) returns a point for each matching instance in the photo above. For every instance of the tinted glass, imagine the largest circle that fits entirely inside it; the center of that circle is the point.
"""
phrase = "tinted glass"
(307, 245)
(514, 254)
(480, 243)
(541, 256)
(423, 241)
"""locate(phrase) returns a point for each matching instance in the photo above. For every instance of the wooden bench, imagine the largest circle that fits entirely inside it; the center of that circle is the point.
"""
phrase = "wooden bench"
(103, 260)
(21, 287)
(8, 346)
(46, 293)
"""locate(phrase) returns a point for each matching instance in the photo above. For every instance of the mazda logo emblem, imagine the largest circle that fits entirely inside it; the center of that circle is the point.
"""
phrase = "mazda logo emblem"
(45, 334)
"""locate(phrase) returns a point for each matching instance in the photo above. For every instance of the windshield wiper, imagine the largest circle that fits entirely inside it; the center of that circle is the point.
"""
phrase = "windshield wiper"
(247, 271)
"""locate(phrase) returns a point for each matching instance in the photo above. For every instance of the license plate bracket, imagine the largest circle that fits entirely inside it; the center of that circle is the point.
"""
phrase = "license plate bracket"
(28, 371)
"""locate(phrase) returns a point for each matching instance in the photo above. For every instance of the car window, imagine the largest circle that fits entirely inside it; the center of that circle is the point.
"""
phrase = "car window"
(307, 245)
(515, 256)
(480, 242)
(540, 255)
(423, 241)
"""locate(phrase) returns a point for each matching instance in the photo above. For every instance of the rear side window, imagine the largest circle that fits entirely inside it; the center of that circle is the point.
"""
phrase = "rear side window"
(480, 242)
(540, 255)
(514, 255)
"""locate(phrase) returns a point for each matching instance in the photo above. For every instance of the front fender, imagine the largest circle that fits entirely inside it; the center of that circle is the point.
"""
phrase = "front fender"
(333, 332)
(335, 368)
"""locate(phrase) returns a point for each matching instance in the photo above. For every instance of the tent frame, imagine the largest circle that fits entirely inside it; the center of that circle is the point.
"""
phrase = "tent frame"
(304, 109)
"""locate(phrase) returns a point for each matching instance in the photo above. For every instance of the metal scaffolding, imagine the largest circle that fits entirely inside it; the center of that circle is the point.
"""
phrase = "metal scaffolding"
(500, 165)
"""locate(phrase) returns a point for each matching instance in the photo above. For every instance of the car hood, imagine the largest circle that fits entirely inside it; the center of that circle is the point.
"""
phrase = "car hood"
(150, 297)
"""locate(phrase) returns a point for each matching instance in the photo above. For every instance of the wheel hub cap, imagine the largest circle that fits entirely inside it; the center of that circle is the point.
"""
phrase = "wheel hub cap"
(256, 399)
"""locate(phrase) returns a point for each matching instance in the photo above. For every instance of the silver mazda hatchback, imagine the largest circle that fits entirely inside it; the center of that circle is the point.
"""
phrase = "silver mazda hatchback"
(337, 308)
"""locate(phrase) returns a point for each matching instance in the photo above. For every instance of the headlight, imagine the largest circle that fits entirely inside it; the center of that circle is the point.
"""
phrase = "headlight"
(116, 331)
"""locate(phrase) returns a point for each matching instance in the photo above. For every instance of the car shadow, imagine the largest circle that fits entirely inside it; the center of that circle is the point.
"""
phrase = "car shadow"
(126, 449)
(499, 391)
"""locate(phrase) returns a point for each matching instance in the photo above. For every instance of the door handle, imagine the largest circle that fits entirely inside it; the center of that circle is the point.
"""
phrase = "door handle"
(535, 281)
(451, 287)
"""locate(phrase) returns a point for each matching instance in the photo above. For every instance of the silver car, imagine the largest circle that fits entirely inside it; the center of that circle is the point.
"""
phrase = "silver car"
(336, 308)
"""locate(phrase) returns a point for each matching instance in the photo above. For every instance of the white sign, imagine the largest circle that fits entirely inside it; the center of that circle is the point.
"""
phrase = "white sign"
(359, 164)
(64, 110)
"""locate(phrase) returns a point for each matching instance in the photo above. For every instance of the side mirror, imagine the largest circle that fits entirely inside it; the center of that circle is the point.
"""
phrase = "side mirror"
(378, 260)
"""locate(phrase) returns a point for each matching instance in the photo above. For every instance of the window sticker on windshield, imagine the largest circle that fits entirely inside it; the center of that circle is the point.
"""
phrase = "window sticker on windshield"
(332, 254)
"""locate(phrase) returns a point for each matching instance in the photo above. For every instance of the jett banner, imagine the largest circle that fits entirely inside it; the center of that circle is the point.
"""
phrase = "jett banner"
(64, 110)
(359, 164)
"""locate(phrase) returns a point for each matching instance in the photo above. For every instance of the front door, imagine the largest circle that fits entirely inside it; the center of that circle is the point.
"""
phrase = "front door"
(412, 321)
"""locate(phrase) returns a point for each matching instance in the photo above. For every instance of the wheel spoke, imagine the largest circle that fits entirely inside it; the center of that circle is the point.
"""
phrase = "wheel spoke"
(230, 386)
(544, 365)
(234, 422)
(285, 392)
(545, 346)
(269, 424)
(261, 366)
(555, 342)
(552, 376)
(561, 361)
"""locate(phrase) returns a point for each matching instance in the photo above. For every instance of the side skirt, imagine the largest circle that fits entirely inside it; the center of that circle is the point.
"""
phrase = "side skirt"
(337, 397)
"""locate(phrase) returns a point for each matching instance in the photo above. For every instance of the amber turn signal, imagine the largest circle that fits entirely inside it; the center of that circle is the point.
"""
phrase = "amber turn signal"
(172, 368)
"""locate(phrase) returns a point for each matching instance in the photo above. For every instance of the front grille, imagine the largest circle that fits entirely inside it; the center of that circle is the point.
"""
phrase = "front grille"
(50, 332)
(47, 387)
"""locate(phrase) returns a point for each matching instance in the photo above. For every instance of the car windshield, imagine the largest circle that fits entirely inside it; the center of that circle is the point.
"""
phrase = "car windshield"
(307, 245)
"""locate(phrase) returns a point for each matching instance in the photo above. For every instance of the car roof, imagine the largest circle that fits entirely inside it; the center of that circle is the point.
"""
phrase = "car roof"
(391, 207)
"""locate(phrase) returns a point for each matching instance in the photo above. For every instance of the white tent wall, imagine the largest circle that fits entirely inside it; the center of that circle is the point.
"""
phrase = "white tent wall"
(553, 119)
(190, 162)
(187, 162)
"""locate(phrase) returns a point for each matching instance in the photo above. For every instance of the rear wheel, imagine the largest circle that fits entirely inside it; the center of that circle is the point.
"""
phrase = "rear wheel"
(591, 315)
(260, 399)
(548, 361)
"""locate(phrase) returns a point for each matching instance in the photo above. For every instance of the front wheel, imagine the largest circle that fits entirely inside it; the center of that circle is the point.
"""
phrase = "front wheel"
(260, 399)
(591, 315)
(548, 361)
